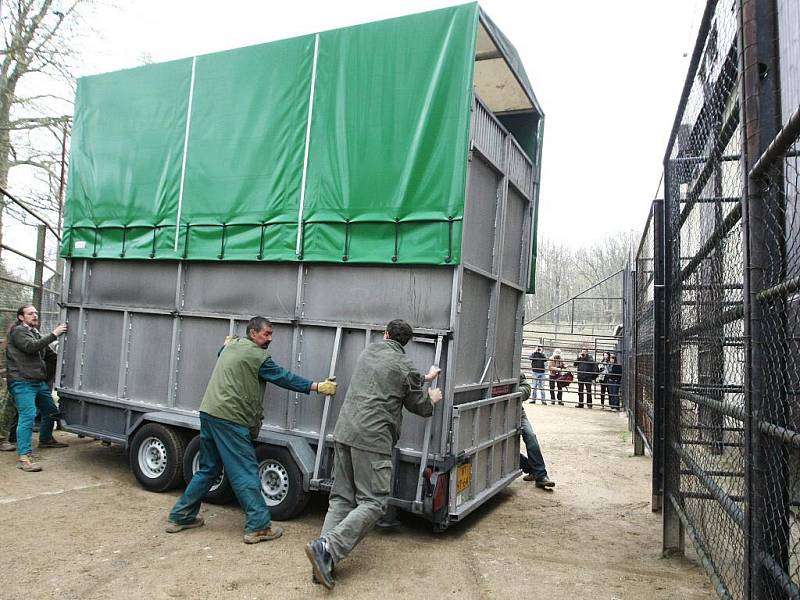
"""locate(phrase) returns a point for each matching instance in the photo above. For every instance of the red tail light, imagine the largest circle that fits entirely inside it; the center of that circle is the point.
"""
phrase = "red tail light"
(440, 492)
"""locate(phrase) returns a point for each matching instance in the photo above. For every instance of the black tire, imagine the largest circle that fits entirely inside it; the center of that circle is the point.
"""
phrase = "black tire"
(156, 457)
(281, 482)
(221, 492)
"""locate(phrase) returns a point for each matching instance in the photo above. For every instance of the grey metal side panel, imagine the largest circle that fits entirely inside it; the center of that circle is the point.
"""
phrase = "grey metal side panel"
(516, 207)
(480, 214)
(249, 289)
(70, 350)
(104, 330)
(276, 400)
(200, 340)
(313, 362)
(507, 332)
(471, 359)
(132, 284)
(369, 294)
(412, 434)
(148, 358)
(74, 290)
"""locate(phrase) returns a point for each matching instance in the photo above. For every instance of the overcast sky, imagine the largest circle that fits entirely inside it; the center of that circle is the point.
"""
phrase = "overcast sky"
(607, 74)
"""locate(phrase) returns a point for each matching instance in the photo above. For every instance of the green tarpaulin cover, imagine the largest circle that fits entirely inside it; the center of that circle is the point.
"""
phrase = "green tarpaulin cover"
(349, 145)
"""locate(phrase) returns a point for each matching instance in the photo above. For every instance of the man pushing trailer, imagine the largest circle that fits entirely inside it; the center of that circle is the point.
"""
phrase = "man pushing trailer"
(384, 381)
(230, 417)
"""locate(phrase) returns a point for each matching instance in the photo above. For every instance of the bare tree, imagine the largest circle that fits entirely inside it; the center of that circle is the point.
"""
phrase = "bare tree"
(35, 82)
(563, 272)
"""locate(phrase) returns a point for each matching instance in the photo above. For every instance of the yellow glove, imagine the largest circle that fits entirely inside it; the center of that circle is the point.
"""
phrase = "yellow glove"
(326, 388)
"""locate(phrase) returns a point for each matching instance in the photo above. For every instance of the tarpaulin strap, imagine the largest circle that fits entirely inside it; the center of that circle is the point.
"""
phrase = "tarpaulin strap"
(155, 232)
(299, 248)
(449, 257)
(261, 242)
(186, 242)
(396, 239)
(346, 254)
(221, 254)
(185, 151)
(94, 247)
(124, 239)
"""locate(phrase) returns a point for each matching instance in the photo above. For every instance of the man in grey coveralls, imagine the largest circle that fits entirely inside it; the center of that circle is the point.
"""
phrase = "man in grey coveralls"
(384, 381)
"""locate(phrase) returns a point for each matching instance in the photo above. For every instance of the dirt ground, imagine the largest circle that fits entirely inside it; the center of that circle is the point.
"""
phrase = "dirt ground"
(83, 528)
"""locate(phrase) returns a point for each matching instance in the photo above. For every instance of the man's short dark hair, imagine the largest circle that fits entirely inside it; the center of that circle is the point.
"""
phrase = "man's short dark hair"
(257, 324)
(399, 331)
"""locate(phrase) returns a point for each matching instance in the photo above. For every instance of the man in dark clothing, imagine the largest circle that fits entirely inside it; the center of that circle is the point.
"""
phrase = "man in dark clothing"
(27, 356)
(384, 381)
(587, 372)
(614, 379)
(532, 462)
(230, 418)
(538, 375)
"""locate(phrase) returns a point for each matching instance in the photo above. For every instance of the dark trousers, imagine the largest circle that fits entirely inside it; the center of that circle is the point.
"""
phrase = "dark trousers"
(223, 443)
(588, 386)
(552, 389)
(533, 463)
(603, 389)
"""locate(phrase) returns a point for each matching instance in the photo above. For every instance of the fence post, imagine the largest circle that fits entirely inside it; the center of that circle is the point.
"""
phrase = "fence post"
(38, 272)
(766, 477)
(673, 536)
(660, 358)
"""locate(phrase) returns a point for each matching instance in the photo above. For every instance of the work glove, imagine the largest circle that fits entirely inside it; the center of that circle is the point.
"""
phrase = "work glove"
(327, 387)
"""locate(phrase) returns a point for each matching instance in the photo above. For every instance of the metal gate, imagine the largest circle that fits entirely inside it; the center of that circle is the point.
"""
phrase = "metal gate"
(716, 331)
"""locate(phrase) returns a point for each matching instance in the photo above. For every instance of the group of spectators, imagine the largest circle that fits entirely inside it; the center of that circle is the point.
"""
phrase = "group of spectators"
(606, 373)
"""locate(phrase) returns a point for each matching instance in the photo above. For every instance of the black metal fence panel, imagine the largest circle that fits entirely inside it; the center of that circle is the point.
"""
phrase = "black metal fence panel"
(643, 335)
(716, 339)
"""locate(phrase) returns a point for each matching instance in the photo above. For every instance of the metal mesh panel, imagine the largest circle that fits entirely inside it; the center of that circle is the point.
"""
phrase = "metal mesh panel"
(726, 338)
(774, 199)
(30, 270)
(644, 338)
(705, 456)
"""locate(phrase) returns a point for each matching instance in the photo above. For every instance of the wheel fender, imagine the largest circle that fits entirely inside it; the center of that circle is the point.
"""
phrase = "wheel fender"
(191, 422)
(299, 448)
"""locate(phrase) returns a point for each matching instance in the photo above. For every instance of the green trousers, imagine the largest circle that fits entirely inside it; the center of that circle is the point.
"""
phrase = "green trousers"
(8, 410)
(362, 483)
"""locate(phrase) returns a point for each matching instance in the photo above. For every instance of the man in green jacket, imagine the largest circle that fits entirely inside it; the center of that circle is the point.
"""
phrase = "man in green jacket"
(27, 355)
(384, 381)
(230, 417)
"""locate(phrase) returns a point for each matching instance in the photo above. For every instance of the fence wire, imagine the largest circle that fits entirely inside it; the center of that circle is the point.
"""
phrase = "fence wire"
(717, 345)
(705, 455)
(644, 335)
(29, 264)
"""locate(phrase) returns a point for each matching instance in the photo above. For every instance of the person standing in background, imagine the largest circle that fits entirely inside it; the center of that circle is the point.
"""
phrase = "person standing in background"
(602, 379)
(614, 379)
(556, 368)
(538, 376)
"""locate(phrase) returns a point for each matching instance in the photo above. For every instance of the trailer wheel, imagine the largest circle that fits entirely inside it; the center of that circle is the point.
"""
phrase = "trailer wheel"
(156, 457)
(281, 482)
(221, 492)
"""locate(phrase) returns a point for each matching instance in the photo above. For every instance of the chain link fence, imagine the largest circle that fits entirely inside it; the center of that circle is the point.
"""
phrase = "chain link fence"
(715, 306)
(29, 265)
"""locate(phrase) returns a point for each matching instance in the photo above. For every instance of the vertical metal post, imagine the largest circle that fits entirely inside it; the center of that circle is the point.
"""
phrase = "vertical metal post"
(660, 357)
(38, 272)
(766, 477)
(572, 317)
(423, 459)
(337, 342)
(673, 535)
(638, 441)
